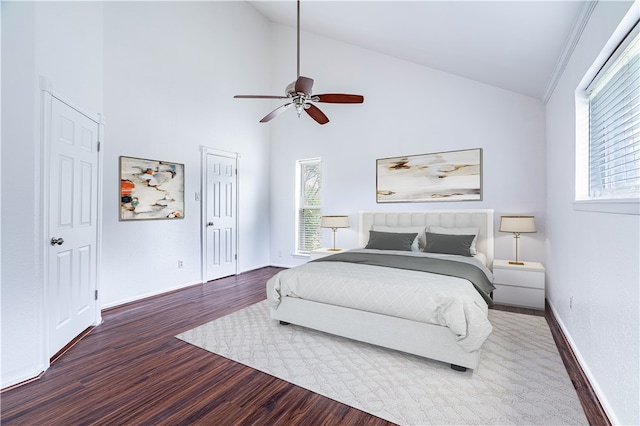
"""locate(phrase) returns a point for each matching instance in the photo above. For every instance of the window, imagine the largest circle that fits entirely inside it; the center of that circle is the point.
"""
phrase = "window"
(614, 124)
(308, 205)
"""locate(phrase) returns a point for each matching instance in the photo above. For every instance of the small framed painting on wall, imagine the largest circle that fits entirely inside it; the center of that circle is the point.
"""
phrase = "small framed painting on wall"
(151, 189)
(443, 176)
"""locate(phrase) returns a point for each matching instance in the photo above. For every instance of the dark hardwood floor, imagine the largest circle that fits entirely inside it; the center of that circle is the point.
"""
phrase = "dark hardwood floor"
(132, 370)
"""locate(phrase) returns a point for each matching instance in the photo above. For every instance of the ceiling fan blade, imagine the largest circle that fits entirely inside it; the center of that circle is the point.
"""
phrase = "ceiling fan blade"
(276, 112)
(315, 113)
(259, 97)
(339, 98)
(304, 85)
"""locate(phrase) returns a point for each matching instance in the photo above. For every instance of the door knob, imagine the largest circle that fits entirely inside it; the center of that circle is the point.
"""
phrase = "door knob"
(210, 224)
(57, 241)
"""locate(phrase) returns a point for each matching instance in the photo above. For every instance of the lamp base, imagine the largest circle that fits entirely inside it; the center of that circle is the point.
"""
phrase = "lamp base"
(514, 262)
(334, 249)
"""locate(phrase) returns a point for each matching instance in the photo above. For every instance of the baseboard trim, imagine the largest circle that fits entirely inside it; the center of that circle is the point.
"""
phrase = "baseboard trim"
(137, 298)
(593, 408)
(69, 345)
(23, 382)
(164, 292)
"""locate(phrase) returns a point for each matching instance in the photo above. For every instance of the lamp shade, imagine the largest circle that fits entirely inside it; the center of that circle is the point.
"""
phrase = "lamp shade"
(517, 224)
(334, 222)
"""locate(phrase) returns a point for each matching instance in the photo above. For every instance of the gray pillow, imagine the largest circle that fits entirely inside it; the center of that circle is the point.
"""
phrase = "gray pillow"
(390, 240)
(449, 244)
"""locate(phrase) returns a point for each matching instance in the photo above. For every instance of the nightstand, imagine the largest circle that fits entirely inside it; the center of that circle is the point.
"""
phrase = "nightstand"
(322, 252)
(519, 285)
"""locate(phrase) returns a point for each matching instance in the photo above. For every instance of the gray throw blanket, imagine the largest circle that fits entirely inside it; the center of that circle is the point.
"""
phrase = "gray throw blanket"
(451, 268)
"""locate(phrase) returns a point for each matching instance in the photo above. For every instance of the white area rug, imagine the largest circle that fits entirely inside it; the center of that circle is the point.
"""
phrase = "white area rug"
(520, 380)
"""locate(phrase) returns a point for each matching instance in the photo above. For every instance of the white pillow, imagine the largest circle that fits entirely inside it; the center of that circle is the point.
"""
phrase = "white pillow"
(421, 239)
(458, 231)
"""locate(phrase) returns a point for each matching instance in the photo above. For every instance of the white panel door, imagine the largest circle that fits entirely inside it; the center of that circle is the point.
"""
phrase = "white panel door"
(220, 217)
(73, 210)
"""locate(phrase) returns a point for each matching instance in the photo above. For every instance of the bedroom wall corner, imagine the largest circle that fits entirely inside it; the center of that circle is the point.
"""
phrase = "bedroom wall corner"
(171, 70)
(593, 258)
(509, 127)
(62, 43)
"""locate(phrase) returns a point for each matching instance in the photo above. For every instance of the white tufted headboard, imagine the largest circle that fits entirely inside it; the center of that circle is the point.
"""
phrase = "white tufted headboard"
(482, 219)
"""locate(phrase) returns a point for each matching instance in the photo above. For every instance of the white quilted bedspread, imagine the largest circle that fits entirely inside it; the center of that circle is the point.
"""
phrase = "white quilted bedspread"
(414, 295)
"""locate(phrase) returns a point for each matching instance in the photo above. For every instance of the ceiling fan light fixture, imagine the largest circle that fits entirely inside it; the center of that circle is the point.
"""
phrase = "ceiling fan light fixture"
(298, 93)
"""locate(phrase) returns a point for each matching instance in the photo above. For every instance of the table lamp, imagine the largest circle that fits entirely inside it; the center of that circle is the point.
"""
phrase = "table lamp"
(334, 222)
(517, 225)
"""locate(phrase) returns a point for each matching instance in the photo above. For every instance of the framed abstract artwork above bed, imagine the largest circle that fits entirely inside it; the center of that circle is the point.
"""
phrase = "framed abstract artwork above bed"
(442, 176)
(151, 189)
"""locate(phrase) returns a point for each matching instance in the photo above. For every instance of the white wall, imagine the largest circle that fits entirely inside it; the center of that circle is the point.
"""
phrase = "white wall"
(171, 70)
(61, 42)
(408, 109)
(593, 257)
(164, 75)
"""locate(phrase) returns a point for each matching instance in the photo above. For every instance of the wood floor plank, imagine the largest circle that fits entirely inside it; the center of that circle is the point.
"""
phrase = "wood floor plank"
(132, 370)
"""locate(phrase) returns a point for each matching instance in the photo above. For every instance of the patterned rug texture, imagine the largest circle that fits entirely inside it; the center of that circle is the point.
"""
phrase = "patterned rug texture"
(520, 380)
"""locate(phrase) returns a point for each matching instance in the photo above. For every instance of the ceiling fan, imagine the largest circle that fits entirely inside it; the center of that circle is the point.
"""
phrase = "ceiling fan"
(299, 95)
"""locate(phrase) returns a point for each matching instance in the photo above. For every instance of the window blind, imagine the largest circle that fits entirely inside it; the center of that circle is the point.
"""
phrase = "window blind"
(614, 124)
(309, 207)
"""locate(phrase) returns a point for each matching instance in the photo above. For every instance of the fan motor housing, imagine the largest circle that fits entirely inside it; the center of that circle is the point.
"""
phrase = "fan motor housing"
(291, 89)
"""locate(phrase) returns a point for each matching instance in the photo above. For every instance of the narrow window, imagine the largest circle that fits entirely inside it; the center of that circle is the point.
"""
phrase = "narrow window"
(308, 205)
(614, 124)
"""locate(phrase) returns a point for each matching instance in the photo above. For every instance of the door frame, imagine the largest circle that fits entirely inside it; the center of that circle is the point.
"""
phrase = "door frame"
(47, 97)
(205, 151)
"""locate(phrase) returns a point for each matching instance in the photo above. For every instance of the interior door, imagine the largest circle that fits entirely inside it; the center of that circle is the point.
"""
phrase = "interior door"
(221, 216)
(72, 223)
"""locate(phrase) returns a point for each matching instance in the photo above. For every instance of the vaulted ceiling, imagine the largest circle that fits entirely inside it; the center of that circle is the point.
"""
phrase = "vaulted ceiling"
(517, 45)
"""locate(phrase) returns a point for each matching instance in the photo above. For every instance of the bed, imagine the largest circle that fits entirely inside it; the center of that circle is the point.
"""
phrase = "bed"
(378, 295)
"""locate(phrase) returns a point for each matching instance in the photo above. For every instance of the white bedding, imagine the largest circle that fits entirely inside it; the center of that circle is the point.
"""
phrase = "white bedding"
(418, 296)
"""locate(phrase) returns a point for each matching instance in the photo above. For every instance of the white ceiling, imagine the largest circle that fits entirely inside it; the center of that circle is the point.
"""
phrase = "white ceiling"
(516, 45)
